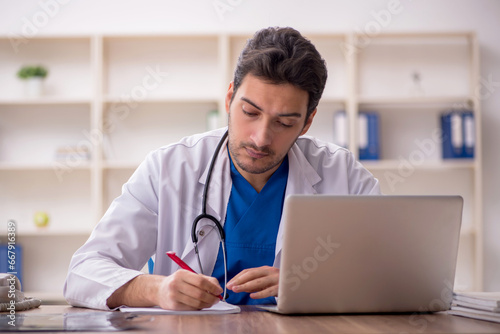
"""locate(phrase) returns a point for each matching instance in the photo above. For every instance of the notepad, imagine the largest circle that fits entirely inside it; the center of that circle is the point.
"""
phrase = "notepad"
(477, 305)
(218, 308)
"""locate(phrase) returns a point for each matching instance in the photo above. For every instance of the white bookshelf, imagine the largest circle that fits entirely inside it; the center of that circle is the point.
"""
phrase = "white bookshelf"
(448, 68)
(102, 91)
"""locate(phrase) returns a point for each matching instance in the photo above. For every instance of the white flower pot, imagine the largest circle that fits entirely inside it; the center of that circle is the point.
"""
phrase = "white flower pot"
(34, 87)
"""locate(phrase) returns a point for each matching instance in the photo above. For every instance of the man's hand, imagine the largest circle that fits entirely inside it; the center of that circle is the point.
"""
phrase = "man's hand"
(260, 282)
(183, 290)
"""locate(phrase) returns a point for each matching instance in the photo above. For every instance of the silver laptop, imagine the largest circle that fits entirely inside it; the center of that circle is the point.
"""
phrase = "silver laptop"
(363, 254)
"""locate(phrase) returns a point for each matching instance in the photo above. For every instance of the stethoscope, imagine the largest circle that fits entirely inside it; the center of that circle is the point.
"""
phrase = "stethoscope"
(205, 215)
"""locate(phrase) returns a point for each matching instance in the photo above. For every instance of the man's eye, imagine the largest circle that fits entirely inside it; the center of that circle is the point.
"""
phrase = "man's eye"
(251, 114)
(285, 125)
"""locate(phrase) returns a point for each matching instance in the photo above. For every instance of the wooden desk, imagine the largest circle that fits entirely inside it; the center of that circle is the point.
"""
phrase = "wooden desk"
(252, 320)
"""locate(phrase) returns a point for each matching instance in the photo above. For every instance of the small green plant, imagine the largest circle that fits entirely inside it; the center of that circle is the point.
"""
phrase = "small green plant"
(27, 72)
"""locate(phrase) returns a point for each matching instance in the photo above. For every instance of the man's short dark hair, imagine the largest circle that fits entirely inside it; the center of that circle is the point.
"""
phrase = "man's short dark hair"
(280, 56)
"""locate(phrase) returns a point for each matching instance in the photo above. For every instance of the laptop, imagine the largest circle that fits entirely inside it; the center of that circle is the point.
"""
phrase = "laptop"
(368, 254)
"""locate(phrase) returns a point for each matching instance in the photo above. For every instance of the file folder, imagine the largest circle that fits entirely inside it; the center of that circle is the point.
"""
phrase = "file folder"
(4, 261)
(469, 134)
(458, 134)
(368, 125)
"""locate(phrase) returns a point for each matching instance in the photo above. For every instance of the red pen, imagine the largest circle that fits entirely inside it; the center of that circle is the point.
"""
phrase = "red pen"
(182, 264)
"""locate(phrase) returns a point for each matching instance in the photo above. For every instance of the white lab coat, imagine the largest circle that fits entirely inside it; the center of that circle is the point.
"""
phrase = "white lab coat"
(155, 211)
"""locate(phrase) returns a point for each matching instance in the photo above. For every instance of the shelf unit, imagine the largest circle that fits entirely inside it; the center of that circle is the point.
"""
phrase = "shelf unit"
(447, 65)
(123, 96)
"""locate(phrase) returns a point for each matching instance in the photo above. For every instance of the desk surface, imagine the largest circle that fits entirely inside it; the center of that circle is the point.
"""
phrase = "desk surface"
(252, 320)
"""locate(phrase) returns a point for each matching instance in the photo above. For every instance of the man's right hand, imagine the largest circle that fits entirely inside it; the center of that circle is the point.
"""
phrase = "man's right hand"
(183, 290)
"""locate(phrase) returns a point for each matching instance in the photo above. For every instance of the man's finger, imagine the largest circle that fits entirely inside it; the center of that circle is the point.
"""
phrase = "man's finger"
(204, 283)
(248, 275)
(256, 284)
(269, 292)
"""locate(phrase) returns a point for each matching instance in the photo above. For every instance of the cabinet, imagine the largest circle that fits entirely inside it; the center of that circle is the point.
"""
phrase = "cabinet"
(120, 97)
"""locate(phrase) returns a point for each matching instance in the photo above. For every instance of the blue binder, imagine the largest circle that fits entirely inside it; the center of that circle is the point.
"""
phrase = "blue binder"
(4, 261)
(458, 134)
(469, 134)
(369, 146)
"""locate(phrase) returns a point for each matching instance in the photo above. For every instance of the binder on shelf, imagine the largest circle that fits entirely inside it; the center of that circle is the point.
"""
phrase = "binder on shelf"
(369, 145)
(458, 134)
(5, 266)
(340, 128)
(469, 134)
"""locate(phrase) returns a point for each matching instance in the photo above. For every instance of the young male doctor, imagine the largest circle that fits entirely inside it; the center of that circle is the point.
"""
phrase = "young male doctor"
(271, 102)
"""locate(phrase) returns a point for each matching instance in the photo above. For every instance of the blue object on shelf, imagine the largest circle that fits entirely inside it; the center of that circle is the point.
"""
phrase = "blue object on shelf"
(4, 261)
(469, 134)
(458, 134)
(369, 145)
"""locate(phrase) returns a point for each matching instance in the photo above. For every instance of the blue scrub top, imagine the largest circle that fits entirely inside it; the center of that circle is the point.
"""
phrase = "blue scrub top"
(251, 228)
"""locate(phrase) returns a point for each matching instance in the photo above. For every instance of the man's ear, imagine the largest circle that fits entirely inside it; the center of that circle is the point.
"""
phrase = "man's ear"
(309, 122)
(229, 96)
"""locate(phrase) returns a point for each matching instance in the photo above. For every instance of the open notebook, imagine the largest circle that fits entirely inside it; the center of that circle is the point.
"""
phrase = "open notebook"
(219, 308)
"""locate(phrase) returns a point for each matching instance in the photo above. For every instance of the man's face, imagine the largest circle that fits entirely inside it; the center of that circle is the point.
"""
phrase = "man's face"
(264, 121)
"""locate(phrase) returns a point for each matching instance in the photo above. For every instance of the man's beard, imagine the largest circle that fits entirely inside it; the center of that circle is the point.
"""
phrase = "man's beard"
(253, 168)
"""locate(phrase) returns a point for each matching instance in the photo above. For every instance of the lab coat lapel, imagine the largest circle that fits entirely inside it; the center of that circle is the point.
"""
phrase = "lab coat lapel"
(301, 180)
(217, 199)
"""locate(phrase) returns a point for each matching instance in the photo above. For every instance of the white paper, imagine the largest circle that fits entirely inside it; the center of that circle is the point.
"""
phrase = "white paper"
(219, 308)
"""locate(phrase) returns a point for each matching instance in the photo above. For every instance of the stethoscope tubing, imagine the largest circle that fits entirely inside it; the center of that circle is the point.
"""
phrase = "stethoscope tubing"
(204, 215)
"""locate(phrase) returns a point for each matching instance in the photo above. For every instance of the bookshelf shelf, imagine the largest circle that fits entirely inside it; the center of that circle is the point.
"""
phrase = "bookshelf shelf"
(50, 232)
(466, 164)
(120, 165)
(125, 95)
(33, 167)
(166, 99)
(47, 101)
(421, 101)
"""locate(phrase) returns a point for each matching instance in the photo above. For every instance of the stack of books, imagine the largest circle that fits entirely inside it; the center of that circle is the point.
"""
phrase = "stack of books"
(477, 305)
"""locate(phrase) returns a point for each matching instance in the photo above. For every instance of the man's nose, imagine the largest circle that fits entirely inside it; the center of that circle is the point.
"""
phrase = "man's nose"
(262, 136)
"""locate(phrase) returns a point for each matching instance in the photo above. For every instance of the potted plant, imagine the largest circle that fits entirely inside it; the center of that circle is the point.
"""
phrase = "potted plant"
(33, 76)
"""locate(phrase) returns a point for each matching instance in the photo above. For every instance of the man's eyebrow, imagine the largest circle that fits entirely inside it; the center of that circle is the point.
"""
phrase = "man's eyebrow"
(292, 114)
(250, 102)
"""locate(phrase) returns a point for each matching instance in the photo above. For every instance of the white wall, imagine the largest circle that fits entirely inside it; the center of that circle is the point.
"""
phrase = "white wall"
(162, 16)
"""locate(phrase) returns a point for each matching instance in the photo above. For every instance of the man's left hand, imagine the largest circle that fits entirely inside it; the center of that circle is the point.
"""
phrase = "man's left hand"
(260, 282)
